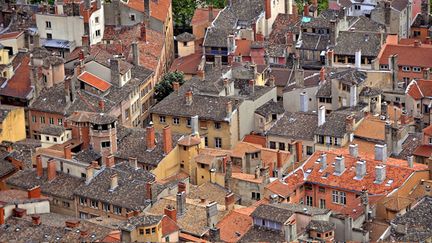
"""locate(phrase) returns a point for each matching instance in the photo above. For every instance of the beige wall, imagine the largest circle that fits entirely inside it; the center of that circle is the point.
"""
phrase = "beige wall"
(17, 43)
(185, 48)
(69, 28)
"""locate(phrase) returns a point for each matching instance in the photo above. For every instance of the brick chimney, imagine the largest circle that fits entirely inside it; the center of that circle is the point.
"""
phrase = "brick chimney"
(36, 220)
(181, 187)
(72, 223)
(306, 10)
(171, 212)
(201, 74)
(267, 8)
(279, 160)
(229, 201)
(2, 216)
(89, 173)
(299, 150)
(149, 193)
(295, 10)
(251, 86)
(167, 140)
(210, 13)
(19, 212)
(150, 138)
(39, 168)
(115, 71)
(143, 33)
(34, 192)
(330, 58)
(51, 168)
(67, 151)
(101, 104)
(135, 54)
(228, 108)
(188, 97)
(109, 161)
(114, 182)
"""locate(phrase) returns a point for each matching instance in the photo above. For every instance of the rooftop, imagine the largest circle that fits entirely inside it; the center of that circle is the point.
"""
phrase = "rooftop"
(297, 125)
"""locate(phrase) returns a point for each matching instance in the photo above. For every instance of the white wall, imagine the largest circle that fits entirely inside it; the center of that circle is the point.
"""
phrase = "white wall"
(98, 70)
(93, 26)
(32, 208)
(69, 28)
(291, 99)
(14, 43)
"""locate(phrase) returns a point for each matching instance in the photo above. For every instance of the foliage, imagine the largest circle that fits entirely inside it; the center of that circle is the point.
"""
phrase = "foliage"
(183, 10)
(164, 87)
(216, 3)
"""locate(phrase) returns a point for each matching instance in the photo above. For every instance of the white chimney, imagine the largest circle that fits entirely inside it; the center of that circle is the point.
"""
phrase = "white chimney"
(353, 150)
(381, 152)
(360, 169)
(353, 95)
(321, 115)
(358, 57)
(194, 124)
(211, 213)
(410, 160)
(304, 106)
(339, 165)
(323, 161)
(114, 181)
(380, 174)
(133, 162)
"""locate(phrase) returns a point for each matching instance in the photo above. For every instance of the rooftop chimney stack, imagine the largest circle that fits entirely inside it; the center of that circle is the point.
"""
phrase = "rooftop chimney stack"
(360, 169)
(150, 137)
(381, 152)
(201, 74)
(115, 71)
(229, 108)
(51, 168)
(380, 174)
(133, 163)
(102, 105)
(109, 161)
(114, 181)
(194, 124)
(321, 115)
(36, 220)
(210, 13)
(135, 54)
(89, 174)
(188, 97)
(304, 106)
(171, 212)
(143, 33)
(67, 151)
(353, 95)
(39, 168)
(339, 165)
(322, 74)
(211, 212)
(410, 160)
(176, 86)
(323, 161)
(353, 150)
(181, 203)
(251, 86)
(167, 140)
(358, 57)
(34, 192)
(229, 201)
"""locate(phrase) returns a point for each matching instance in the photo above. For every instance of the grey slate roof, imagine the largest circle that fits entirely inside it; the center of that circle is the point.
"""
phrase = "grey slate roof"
(362, 23)
(140, 221)
(6, 167)
(185, 37)
(325, 90)
(271, 107)
(92, 117)
(272, 212)
(349, 42)
(297, 125)
(312, 41)
(23, 151)
(370, 91)
(52, 130)
(334, 126)
(303, 209)
(350, 76)
(320, 226)
(262, 234)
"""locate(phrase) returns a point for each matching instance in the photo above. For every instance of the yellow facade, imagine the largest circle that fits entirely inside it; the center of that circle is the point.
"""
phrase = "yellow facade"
(13, 124)
(187, 155)
(169, 165)
(7, 71)
(151, 233)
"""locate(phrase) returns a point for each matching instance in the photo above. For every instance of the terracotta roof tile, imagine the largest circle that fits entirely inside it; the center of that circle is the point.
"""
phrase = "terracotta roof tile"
(10, 35)
(408, 55)
(187, 64)
(234, 226)
(423, 151)
(255, 139)
(428, 130)
(158, 9)
(19, 85)
(168, 226)
(371, 128)
(94, 81)
(201, 16)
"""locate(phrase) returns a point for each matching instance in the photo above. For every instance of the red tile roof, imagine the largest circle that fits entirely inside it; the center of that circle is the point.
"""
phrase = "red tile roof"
(158, 9)
(188, 64)
(234, 226)
(10, 35)
(168, 226)
(19, 85)
(288, 186)
(408, 55)
(418, 89)
(201, 16)
(423, 151)
(243, 47)
(256, 139)
(428, 130)
(94, 81)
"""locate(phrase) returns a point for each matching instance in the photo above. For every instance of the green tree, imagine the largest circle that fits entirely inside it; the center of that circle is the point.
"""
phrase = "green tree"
(165, 87)
(183, 11)
(216, 3)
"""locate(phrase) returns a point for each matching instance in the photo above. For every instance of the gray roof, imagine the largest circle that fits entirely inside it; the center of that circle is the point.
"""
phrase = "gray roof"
(24, 150)
(141, 221)
(92, 117)
(185, 37)
(52, 130)
(272, 212)
(362, 23)
(271, 107)
(6, 167)
(417, 223)
(370, 91)
(303, 209)
(325, 90)
(312, 41)
(350, 76)
(320, 226)
(334, 126)
(349, 42)
(297, 125)
(399, 4)
(262, 234)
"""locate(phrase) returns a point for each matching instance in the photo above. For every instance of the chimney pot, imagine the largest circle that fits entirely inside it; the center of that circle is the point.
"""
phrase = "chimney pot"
(67, 151)
(181, 187)
(229, 201)
(381, 152)
(171, 212)
(210, 13)
(149, 191)
(102, 105)
(176, 86)
(150, 137)
(279, 161)
(133, 163)
(39, 168)
(188, 97)
(143, 33)
(353, 150)
(306, 10)
(360, 169)
(34, 192)
(51, 169)
(114, 181)
(323, 161)
(110, 161)
(339, 165)
(380, 174)
(36, 220)
(167, 140)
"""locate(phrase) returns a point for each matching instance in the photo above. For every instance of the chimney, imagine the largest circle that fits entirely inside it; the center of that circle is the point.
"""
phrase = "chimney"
(323, 161)
(272, 81)
(194, 124)
(102, 105)
(201, 74)
(114, 181)
(349, 123)
(39, 168)
(110, 161)
(279, 159)
(143, 33)
(149, 191)
(410, 160)
(306, 10)
(51, 168)
(321, 115)
(360, 169)
(393, 67)
(322, 74)
(147, 9)
(98, 4)
(36, 220)
(36, 41)
(176, 86)
(87, 4)
(210, 13)
(417, 43)
(181, 203)
(211, 212)
(353, 95)
(304, 106)
(167, 140)
(358, 57)
(135, 54)
(171, 212)
(85, 40)
(384, 109)
(251, 86)
(299, 150)
(229, 201)
(2, 216)
(181, 187)
(353, 150)
(267, 9)
(188, 97)
(67, 151)
(330, 58)
(427, 40)
(115, 71)
(214, 234)
(339, 165)
(427, 73)
(150, 138)
(380, 174)
(19, 212)
(381, 152)
(34, 192)
(273, 199)
(72, 223)
(89, 173)
(295, 10)
(299, 76)
(133, 163)
(229, 108)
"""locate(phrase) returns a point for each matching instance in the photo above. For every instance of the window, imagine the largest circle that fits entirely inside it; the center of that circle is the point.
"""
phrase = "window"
(218, 142)
(430, 140)
(206, 141)
(106, 207)
(162, 119)
(322, 203)
(47, 138)
(417, 33)
(55, 139)
(147, 231)
(176, 120)
(189, 122)
(384, 67)
(117, 210)
(98, 33)
(321, 189)
(66, 204)
(49, 36)
(202, 166)
(141, 231)
(405, 68)
(319, 235)
(256, 196)
(83, 215)
(309, 200)
(60, 121)
(132, 17)
(153, 230)
(184, 43)
(51, 120)
(34, 119)
(94, 204)
(105, 144)
(82, 201)
(309, 150)
(357, 7)
(308, 187)
(217, 125)
(48, 24)
(97, 20)
(416, 69)
(42, 119)
(273, 145)
(282, 146)
(339, 197)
